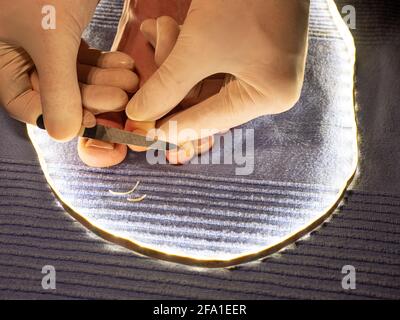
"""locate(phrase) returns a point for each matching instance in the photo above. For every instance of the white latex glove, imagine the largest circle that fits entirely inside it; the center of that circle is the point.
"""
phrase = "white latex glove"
(262, 44)
(25, 46)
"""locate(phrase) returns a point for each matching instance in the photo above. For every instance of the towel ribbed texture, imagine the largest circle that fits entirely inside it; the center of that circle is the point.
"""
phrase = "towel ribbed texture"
(35, 231)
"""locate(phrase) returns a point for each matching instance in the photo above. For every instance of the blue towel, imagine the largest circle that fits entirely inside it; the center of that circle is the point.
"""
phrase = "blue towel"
(35, 231)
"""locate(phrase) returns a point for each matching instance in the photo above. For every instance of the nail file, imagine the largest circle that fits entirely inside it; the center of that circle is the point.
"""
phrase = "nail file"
(114, 135)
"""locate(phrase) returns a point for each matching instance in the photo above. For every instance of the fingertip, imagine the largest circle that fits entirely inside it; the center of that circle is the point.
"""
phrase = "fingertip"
(141, 128)
(89, 119)
(182, 155)
(149, 31)
(98, 154)
(167, 34)
(125, 60)
(132, 82)
(116, 59)
(59, 91)
(124, 79)
(63, 129)
(62, 115)
(170, 132)
(101, 99)
(132, 109)
(121, 98)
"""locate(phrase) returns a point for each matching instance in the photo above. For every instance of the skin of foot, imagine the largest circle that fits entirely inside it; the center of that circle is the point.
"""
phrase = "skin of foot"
(102, 154)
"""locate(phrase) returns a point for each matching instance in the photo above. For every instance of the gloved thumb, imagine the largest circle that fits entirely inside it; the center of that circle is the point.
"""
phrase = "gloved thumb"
(55, 62)
(170, 84)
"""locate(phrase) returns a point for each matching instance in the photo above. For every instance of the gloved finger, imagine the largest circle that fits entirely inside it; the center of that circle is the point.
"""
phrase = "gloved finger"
(27, 107)
(55, 61)
(182, 155)
(102, 99)
(168, 32)
(88, 121)
(94, 57)
(120, 78)
(162, 33)
(188, 150)
(149, 31)
(16, 93)
(142, 128)
(168, 85)
(233, 106)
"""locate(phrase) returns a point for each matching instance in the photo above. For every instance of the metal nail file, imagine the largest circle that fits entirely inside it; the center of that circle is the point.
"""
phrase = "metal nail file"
(114, 135)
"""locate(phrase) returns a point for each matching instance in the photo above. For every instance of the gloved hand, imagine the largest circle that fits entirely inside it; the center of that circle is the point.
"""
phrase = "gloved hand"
(161, 33)
(261, 44)
(32, 57)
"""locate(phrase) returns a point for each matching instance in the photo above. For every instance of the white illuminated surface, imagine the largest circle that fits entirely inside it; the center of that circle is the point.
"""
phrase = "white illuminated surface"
(304, 161)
